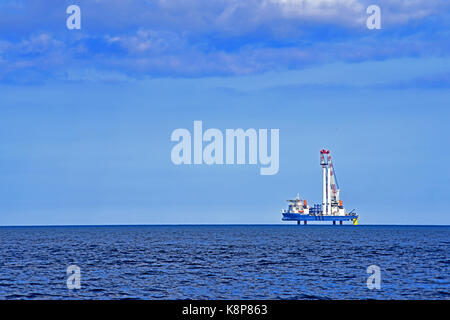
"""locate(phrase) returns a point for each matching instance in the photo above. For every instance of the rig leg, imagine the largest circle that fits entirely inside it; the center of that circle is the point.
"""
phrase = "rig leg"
(298, 223)
(341, 223)
(305, 222)
(334, 223)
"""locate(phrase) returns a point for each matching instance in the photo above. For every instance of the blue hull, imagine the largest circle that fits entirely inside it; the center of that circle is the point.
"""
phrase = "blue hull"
(306, 217)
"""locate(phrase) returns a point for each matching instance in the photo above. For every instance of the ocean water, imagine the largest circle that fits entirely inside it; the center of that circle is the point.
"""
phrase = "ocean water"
(225, 262)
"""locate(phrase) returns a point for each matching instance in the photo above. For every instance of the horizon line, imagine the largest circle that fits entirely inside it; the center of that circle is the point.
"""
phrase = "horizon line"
(217, 224)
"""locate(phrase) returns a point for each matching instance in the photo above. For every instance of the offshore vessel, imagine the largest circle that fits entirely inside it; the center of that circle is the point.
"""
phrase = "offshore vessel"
(331, 208)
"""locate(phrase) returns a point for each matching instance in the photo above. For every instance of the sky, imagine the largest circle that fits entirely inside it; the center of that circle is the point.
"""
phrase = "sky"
(86, 115)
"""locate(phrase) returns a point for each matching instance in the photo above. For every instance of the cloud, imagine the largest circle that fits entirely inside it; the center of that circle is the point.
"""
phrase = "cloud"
(140, 38)
(435, 81)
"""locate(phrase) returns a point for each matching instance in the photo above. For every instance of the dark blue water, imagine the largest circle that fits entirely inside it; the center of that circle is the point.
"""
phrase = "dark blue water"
(225, 262)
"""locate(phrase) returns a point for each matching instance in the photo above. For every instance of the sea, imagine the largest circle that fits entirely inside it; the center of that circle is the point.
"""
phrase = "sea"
(225, 262)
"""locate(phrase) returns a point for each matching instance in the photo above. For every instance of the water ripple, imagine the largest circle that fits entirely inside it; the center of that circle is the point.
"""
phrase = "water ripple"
(225, 262)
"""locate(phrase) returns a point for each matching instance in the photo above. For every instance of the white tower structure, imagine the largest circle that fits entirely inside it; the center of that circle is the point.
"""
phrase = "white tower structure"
(331, 204)
(324, 163)
(329, 190)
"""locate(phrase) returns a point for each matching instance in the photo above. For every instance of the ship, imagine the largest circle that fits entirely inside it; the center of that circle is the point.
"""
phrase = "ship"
(331, 208)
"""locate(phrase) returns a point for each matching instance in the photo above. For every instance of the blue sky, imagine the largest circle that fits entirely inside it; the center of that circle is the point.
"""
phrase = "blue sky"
(86, 115)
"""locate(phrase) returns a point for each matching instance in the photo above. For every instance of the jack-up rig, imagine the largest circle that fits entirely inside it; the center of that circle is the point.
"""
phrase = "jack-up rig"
(331, 208)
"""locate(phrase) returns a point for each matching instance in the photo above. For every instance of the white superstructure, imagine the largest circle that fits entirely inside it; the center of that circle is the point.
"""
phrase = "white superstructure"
(297, 205)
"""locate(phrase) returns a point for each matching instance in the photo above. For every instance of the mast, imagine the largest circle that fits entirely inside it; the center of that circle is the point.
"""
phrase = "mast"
(329, 186)
(323, 162)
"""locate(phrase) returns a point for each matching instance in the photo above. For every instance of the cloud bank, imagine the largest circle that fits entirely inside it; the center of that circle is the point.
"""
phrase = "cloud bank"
(132, 39)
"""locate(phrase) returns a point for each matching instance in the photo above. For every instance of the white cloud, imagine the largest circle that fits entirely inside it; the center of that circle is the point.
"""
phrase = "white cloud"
(203, 37)
(336, 10)
(150, 41)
